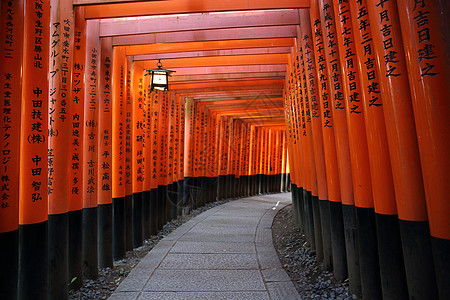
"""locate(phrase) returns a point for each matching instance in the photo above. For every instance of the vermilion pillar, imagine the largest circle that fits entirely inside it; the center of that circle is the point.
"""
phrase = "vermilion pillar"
(33, 201)
(118, 152)
(347, 75)
(310, 157)
(137, 145)
(220, 154)
(147, 153)
(393, 279)
(105, 207)
(215, 149)
(403, 148)
(59, 128)
(76, 151)
(128, 69)
(170, 157)
(297, 187)
(188, 150)
(11, 33)
(425, 33)
(90, 153)
(316, 116)
(181, 137)
(336, 94)
(162, 164)
(301, 137)
(155, 159)
(331, 211)
(230, 156)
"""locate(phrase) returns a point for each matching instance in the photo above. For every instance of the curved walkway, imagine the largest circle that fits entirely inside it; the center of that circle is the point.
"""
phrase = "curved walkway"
(223, 253)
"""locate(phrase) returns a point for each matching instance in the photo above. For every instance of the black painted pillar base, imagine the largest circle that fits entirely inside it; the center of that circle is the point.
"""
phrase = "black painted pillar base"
(254, 185)
(351, 248)
(146, 219)
(153, 215)
(195, 193)
(119, 232)
(300, 207)
(165, 204)
(157, 210)
(89, 244)
(226, 186)
(392, 268)
(309, 218)
(230, 185)
(33, 261)
(129, 222)
(317, 228)
(207, 190)
(58, 252)
(105, 239)
(419, 262)
(221, 187)
(441, 251)
(324, 207)
(295, 205)
(264, 184)
(75, 249)
(169, 198)
(338, 241)
(215, 188)
(161, 209)
(258, 184)
(199, 192)
(174, 200)
(9, 260)
(180, 197)
(187, 189)
(237, 187)
(368, 254)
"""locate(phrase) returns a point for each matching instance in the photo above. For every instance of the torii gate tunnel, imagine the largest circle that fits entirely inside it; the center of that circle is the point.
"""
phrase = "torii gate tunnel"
(343, 103)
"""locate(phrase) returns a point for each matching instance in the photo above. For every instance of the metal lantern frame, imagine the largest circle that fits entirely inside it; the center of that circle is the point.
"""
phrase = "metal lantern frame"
(155, 82)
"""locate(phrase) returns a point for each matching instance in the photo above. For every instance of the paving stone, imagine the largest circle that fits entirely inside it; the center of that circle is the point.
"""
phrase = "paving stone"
(205, 280)
(240, 221)
(204, 228)
(270, 275)
(268, 261)
(204, 295)
(282, 291)
(210, 262)
(264, 236)
(218, 237)
(124, 296)
(212, 247)
(135, 281)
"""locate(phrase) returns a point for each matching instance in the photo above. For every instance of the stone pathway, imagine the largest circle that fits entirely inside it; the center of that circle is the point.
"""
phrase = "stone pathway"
(223, 253)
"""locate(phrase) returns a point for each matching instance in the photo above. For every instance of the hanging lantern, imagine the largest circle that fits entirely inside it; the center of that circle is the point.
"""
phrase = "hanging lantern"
(159, 78)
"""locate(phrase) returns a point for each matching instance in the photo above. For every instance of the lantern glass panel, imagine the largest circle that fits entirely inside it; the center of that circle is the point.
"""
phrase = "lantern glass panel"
(159, 78)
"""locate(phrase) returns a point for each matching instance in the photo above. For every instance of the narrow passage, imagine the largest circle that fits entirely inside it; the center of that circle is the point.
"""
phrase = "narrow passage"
(224, 253)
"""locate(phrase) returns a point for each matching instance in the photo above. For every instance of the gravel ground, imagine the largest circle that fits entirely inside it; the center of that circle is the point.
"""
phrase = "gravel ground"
(110, 278)
(311, 280)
